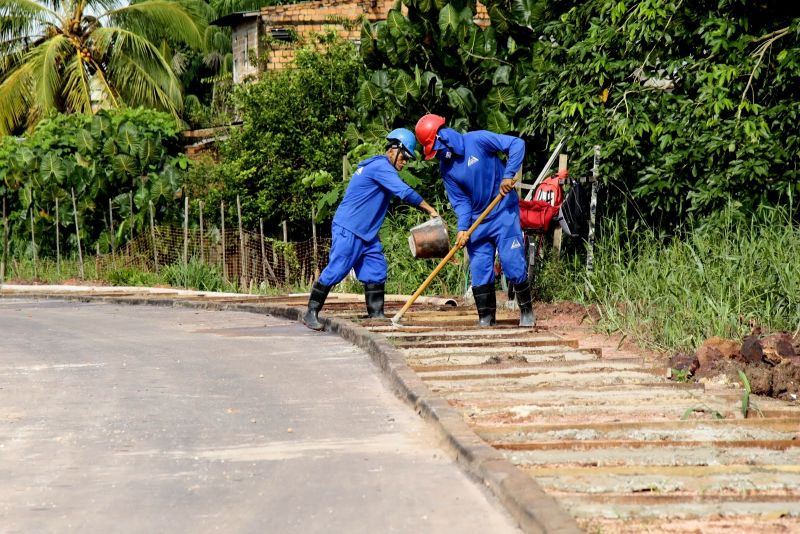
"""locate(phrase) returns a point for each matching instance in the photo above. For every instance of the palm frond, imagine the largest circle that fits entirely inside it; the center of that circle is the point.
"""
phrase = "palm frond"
(77, 88)
(161, 17)
(15, 98)
(47, 60)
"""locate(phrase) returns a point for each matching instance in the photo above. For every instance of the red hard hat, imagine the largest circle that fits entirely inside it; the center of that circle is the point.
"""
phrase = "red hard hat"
(426, 130)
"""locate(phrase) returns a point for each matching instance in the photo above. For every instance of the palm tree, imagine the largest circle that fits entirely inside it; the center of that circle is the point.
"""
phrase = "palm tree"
(77, 56)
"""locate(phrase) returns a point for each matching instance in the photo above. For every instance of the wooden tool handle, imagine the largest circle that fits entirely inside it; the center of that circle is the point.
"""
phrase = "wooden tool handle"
(456, 248)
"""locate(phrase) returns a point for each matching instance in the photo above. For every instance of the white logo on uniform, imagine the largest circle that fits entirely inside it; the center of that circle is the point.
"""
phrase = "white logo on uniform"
(515, 244)
(360, 170)
(472, 161)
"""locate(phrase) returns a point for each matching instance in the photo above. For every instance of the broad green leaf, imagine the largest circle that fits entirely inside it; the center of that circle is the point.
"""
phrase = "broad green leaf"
(128, 136)
(124, 165)
(497, 122)
(85, 141)
(369, 95)
(501, 75)
(405, 87)
(449, 19)
(396, 23)
(502, 96)
(51, 168)
(462, 99)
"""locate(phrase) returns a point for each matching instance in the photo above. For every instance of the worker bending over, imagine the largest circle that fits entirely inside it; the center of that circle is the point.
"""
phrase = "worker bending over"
(473, 175)
(355, 244)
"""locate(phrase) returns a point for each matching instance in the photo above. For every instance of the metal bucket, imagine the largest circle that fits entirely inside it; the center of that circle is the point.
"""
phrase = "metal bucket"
(429, 239)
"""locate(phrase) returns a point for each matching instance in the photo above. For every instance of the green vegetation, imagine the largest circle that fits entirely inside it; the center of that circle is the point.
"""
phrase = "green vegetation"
(714, 279)
(77, 57)
(294, 125)
(114, 160)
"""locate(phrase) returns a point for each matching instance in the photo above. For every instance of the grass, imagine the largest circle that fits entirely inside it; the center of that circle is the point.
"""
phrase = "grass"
(717, 279)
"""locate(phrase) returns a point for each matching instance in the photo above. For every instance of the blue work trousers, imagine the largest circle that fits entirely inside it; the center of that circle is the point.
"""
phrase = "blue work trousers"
(348, 251)
(503, 234)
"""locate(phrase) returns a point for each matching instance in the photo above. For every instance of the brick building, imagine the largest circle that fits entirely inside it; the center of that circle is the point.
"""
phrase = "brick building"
(249, 29)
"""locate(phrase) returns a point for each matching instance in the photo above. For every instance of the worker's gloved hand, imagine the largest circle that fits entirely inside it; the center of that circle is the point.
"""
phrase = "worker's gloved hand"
(506, 186)
(461, 239)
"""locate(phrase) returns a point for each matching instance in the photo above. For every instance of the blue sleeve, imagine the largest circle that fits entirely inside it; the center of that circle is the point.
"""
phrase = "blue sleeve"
(461, 203)
(513, 147)
(392, 182)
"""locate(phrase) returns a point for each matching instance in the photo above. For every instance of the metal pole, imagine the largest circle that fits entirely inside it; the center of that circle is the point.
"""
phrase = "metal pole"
(242, 275)
(58, 240)
(153, 235)
(593, 210)
(77, 234)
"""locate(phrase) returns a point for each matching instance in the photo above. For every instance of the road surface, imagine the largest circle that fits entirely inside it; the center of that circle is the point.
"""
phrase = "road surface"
(147, 419)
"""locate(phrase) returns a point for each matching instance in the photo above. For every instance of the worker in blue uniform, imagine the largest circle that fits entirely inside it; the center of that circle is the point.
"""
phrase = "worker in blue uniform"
(473, 175)
(355, 244)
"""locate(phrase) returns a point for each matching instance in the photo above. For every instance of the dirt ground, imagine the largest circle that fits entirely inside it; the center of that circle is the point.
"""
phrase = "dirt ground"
(779, 380)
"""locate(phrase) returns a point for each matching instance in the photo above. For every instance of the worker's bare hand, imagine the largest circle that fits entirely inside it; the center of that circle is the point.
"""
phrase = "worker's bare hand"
(461, 239)
(433, 213)
(506, 186)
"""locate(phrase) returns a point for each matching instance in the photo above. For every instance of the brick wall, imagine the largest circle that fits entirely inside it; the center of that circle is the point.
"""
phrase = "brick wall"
(321, 16)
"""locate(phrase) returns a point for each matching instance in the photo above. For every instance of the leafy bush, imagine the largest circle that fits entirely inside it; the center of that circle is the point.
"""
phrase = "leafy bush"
(293, 124)
(125, 157)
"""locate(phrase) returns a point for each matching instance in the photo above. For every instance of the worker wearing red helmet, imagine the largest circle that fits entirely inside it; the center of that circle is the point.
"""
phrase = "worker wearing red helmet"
(473, 175)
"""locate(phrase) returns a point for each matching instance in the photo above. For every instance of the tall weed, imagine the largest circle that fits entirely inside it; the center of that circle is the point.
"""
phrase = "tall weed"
(716, 279)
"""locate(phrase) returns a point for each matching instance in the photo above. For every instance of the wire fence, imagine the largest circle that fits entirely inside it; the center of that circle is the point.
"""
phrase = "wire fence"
(241, 256)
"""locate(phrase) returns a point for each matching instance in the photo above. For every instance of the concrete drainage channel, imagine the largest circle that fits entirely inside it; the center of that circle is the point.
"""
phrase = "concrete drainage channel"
(604, 444)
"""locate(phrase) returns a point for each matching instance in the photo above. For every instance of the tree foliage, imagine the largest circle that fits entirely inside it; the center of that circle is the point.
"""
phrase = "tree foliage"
(126, 157)
(693, 103)
(76, 56)
(293, 124)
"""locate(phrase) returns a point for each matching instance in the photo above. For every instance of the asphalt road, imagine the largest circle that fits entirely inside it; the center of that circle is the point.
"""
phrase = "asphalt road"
(146, 419)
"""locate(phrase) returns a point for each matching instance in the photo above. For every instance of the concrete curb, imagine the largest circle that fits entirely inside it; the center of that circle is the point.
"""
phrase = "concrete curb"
(526, 501)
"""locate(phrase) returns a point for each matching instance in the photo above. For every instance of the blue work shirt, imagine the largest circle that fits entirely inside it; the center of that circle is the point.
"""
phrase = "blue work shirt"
(472, 172)
(367, 197)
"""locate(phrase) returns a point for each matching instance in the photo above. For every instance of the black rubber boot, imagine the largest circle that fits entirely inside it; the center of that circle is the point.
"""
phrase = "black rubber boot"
(315, 302)
(486, 302)
(373, 294)
(525, 303)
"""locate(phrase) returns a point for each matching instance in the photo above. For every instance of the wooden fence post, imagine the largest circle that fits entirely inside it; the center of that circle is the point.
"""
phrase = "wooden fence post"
(314, 242)
(58, 240)
(5, 243)
(153, 234)
(222, 222)
(77, 234)
(202, 238)
(130, 217)
(111, 224)
(242, 260)
(33, 246)
(263, 250)
(285, 254)
(185, 231)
